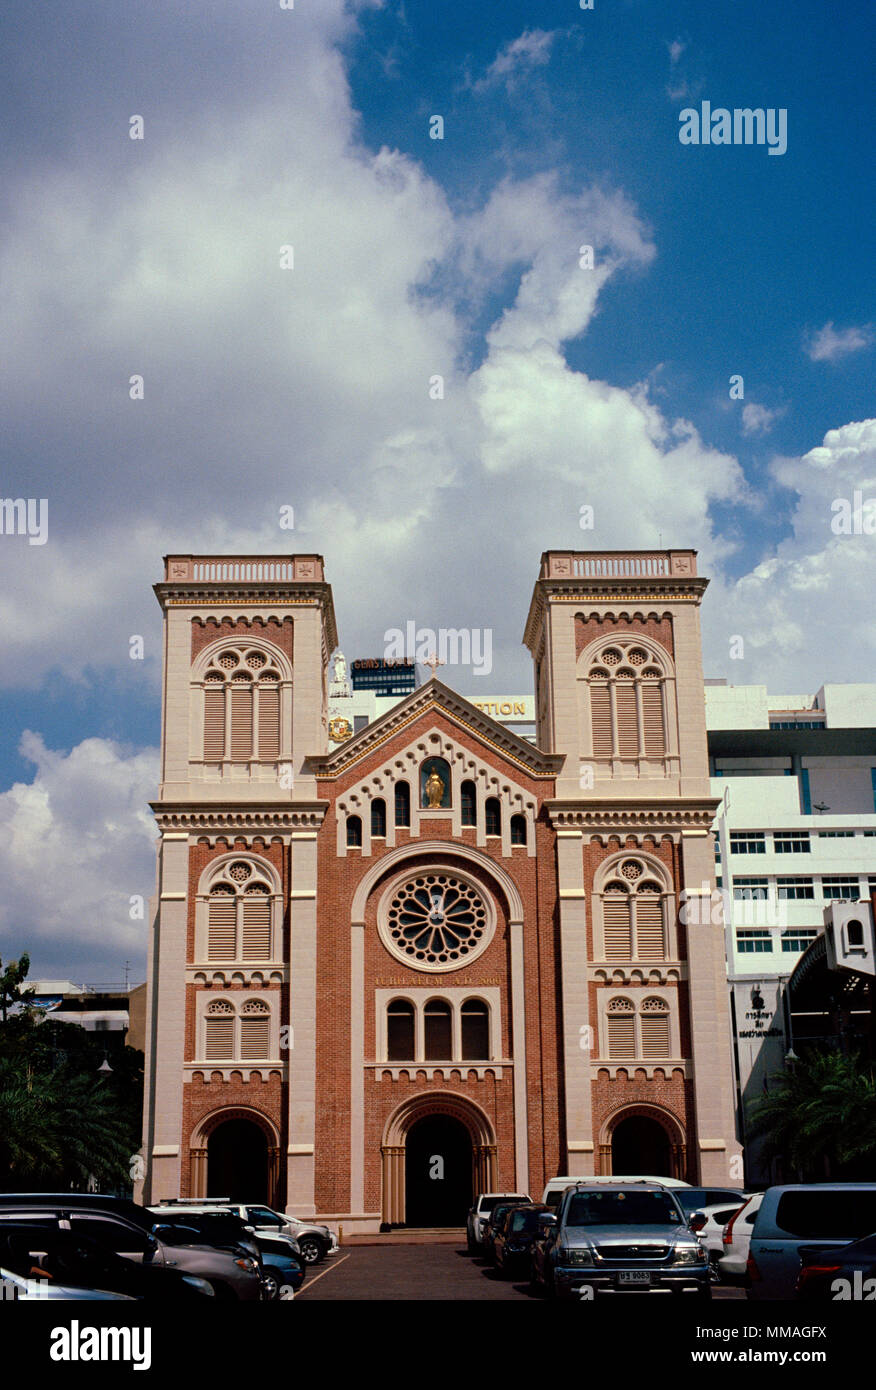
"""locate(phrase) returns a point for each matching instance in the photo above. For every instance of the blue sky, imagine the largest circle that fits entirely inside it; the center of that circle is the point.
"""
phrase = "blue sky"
(413, 256)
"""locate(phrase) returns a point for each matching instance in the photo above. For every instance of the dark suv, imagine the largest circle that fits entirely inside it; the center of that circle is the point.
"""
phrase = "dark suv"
(232, 1266)
(617, 1239)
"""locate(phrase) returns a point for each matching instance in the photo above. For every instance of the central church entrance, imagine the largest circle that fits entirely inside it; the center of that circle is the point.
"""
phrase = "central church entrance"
(640, 1145)
(438, 1167)
(237, 1162)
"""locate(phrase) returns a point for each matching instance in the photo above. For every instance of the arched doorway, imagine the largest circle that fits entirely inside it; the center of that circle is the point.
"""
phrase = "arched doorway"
(438, 1172)
(237, 1162)
(640, 1144)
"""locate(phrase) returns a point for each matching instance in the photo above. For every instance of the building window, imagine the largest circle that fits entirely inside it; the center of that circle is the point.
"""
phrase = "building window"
(654, 1028)
(747, 842)
(632, 915)
(241, 708)
(438, 1033)
(354, 832)
(798, 938)
(240, 915)
(791, 841)
(475, 1018)
(468, 800)
(518, 830)
(400, 1031)
(493, 816)
(627, 704)
(638, 1033)
(402, 803)
(836, 834)
(232, 1036)
(753, 942)
(792, 889)
(840, 886)
(621, 1028)
(378, 819)
(747, 888)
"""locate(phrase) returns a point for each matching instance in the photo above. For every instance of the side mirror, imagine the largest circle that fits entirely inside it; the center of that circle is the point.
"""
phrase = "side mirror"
(546, 1223)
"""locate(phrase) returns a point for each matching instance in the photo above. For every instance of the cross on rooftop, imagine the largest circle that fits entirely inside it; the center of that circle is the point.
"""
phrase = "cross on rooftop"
(434, 661)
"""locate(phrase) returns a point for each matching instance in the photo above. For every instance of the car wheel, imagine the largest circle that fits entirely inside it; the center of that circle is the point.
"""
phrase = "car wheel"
(270, 1285)
(311, 1250)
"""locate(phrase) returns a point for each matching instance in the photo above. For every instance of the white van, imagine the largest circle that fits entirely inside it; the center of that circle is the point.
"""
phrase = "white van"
(557, 1186)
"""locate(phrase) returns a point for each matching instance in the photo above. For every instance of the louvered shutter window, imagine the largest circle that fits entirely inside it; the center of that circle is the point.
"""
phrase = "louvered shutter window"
(652, 714)
(256, 925)
(255, 1032)
(222, 925)
(616, 926)
(219, 1032)
(214, 722)
(621, 1029)
(269, 719)
(627, 723)
(654, 1022)
(241, 722)
(600, 716)
(649, 925)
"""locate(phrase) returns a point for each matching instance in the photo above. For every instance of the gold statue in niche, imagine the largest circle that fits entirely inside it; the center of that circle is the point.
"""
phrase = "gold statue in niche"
(434, 790)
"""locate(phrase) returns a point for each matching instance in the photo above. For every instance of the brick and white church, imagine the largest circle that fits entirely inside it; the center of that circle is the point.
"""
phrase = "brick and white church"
(436, 958)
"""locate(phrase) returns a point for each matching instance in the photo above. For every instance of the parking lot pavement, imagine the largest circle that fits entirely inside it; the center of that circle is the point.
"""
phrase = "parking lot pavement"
(421, 1272)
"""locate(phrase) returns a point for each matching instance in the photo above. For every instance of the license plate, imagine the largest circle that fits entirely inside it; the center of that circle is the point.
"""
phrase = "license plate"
(634, 1276)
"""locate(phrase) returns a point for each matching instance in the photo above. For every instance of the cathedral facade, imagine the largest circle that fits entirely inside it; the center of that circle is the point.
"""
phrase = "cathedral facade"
(435, 958)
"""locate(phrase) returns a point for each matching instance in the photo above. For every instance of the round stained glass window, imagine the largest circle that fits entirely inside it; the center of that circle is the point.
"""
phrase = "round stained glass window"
(436, 921)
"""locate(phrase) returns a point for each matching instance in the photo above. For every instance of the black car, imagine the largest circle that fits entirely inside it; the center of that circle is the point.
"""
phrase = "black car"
(512, 1244)
(838, 1273)
(494, 1223)
(75, 1261)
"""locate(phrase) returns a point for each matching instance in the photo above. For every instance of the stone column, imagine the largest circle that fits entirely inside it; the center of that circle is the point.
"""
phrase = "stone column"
(301, 1057)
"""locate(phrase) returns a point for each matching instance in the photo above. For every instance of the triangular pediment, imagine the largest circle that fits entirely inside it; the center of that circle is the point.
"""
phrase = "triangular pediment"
(435, 698)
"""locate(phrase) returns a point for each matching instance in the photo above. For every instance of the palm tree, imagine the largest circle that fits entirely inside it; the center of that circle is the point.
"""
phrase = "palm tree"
(821, 1118)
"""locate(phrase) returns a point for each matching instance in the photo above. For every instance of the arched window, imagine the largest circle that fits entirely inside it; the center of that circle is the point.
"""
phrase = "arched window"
(493, 816)
(468, 801)
(378, 819)
(627, 704)
(654, 1027)
(438, 1031)
(400, 1031)
(241, 708)
(475, 1031)
(402, 803)
(354, 832)
(240, 915)
(219, 1031)
(518, 830)
(633, 915)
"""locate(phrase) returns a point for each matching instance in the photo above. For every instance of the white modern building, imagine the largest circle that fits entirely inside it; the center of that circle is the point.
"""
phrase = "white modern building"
(795, 833)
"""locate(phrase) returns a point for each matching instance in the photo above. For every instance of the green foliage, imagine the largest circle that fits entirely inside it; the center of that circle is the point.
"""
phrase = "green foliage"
(62, 1121)
(820, 1119)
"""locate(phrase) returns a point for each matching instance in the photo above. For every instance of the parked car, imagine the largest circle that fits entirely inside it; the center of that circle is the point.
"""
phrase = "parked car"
(18, 1289)
(479, 1213)
(60, 1259)
(842, 1273)
(805, 1214)
(557, 1186)
(692, 1199)
(617, 1239)
(132, 1231)
(314, 1241)
(512, 1246)
(282, 1268)
(708, 1225)
(495, 1220)
(735, 1240)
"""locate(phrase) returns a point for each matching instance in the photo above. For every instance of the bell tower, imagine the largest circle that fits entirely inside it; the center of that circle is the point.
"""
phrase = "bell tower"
(615, 638)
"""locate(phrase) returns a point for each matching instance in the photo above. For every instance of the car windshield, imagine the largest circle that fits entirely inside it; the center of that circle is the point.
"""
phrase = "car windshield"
(213, 1228)
(524, 1222)
(622, 1209)
(489, 1204)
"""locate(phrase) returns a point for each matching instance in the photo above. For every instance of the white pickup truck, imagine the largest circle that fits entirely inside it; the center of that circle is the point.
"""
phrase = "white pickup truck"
(480, 1213)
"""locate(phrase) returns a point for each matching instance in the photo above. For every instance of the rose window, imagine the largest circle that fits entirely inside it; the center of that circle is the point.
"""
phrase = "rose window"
(630, 869)
(436, 920)
(240, 872)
